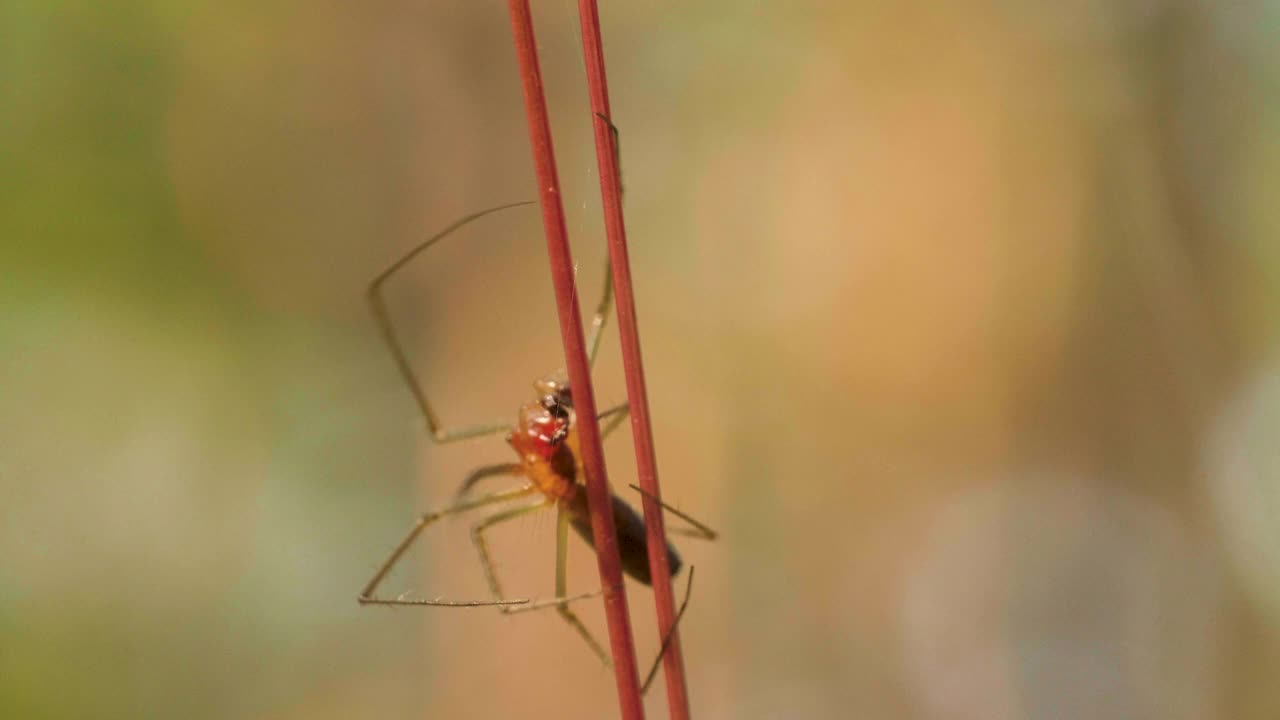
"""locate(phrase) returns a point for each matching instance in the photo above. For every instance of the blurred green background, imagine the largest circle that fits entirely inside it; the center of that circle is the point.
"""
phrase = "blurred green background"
(960, 320)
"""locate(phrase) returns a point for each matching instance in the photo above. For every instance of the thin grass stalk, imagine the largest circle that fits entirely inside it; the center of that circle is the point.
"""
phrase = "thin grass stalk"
(621, 642)
(633, 365)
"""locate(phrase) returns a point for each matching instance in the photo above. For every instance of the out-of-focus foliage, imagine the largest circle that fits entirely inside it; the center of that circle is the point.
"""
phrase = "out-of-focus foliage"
(959, 317)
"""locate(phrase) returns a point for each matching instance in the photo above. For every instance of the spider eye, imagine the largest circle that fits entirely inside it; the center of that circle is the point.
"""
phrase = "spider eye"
(555, 406)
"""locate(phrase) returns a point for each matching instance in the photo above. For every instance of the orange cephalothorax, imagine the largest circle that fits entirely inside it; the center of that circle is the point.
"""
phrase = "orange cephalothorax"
(544, 440)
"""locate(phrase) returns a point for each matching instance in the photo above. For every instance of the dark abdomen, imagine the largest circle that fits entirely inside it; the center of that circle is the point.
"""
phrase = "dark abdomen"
(632, 547)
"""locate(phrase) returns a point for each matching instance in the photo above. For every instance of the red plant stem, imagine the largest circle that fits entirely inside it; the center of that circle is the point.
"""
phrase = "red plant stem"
(633, 365)
(599, 498)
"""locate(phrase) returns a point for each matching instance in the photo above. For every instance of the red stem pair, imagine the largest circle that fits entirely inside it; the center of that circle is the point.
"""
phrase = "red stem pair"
(621, 641)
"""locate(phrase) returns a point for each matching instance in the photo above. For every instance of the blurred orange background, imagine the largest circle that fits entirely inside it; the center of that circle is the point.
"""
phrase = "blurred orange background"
(959, 318)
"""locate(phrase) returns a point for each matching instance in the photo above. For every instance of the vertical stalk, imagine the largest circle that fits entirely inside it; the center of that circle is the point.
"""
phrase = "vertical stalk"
(637, 394)
(599, 498)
